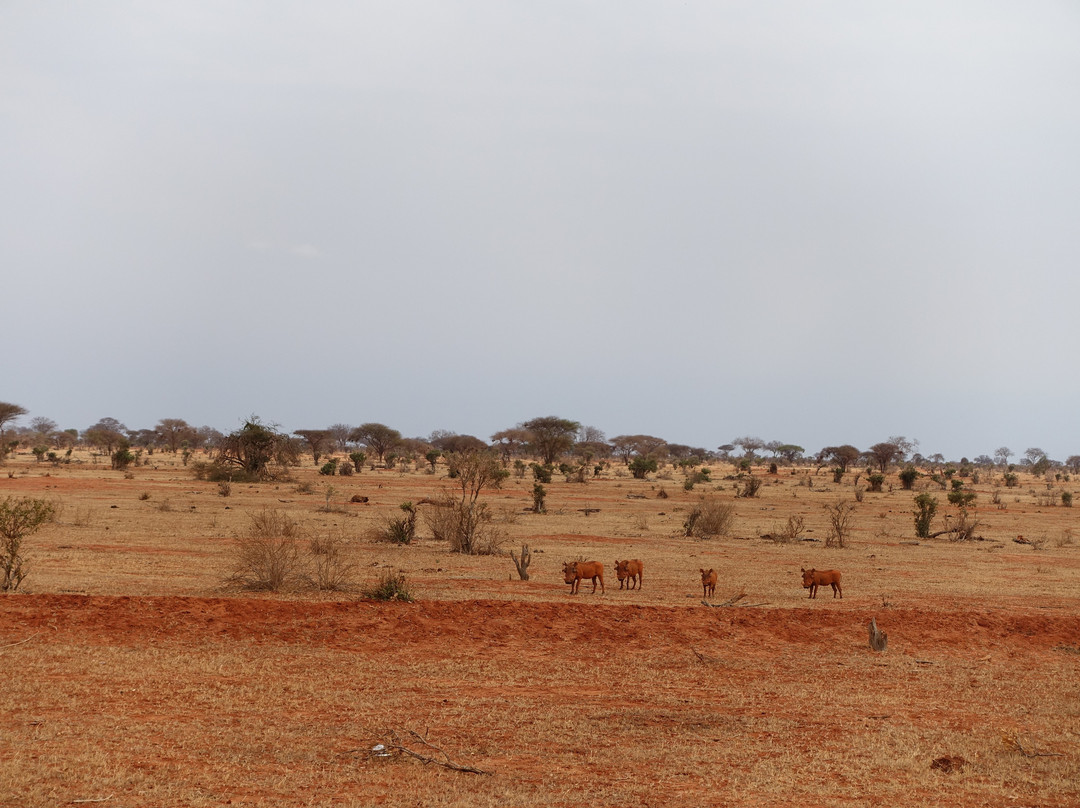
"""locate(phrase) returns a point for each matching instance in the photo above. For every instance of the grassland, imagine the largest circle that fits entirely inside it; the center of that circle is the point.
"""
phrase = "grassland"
(134, 674)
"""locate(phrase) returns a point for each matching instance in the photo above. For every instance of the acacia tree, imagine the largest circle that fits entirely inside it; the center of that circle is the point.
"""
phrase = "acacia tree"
(173, 432)
(107, 434)
(550, 436)
(316, 439)
(630, 446)
(8, 412)
(840, 456)
(1002, 455)
(510, 442)
(379, 438)
(884, 453)
(254, 447)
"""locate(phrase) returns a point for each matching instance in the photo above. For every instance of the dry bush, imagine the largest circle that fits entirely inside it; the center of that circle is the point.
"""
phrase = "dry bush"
(267, 556)
(841, 515)
(711, 517)
(466, 526)
(331, 569)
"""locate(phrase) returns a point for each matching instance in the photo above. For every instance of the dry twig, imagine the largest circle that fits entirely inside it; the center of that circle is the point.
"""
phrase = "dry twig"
(397, 745)
(20, 642)
(733, 602)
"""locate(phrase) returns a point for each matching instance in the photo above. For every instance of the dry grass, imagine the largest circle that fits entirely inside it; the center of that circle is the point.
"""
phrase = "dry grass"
(179, 697)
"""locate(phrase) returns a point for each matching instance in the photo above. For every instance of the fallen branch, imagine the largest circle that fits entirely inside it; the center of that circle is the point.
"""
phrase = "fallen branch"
(733, 602)
(20, 642)
(98, 799)
(396, 744)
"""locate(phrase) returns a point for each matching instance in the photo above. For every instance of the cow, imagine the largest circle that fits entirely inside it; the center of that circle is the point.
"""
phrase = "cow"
(630, 572)
(574, 571)
(708, 582)
(812, 579)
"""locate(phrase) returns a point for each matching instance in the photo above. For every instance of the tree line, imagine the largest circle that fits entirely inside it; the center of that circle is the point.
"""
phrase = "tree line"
(548, 439)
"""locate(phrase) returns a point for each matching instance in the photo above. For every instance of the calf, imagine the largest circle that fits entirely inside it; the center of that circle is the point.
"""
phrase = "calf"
(629, 572)
(812, 579)
(574, 571)
(708, 582)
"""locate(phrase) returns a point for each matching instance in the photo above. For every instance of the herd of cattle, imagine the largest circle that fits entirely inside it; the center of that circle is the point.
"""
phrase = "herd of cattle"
(630, 575)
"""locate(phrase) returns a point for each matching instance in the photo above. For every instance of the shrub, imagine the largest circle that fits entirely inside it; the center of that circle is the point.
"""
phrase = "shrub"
(640, 466)
(908, 477)
(331, 569)
(750, 487)
(329, 468)
(841, 515)
(357, 459)
(838, 474)
(924, 515)
(876, 481)
(1011, 480)
(539, 494)
(466, 526)
(710, 517)
(122, 458)
(267, 556)
(18, 519)
(542, 474)
(346, 470)
(1066, 498)
(400, 530)
(390, 586)
(793, 529)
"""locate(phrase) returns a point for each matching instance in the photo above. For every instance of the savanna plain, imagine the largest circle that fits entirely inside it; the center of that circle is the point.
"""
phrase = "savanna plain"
(136, 673)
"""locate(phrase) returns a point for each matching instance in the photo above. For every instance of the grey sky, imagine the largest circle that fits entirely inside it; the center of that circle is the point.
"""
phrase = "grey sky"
(813, 222)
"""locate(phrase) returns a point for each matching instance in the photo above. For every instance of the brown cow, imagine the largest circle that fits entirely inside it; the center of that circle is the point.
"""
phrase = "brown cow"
(630, 572)
(812, 579)
(574, 571)
(708, 582)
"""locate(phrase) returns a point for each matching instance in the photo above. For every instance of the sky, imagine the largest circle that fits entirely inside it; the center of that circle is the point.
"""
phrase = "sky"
(817, 223)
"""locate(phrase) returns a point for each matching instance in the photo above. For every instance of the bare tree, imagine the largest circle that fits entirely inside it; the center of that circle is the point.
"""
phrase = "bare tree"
(1002, 455)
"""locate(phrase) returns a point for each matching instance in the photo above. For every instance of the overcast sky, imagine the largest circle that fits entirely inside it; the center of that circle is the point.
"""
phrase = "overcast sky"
(818, 223)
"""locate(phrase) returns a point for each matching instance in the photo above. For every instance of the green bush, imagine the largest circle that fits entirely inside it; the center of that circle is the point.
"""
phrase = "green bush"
(539, 494)
(390, 586)
(329, 468)
(876, 481)
(908, 477)
(542, 474)
(18, 519)
(640, 466)
(924, 516)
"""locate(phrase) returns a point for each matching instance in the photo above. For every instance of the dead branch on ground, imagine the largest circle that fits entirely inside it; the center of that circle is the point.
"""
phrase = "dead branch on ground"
(398, 746)
(733, 601)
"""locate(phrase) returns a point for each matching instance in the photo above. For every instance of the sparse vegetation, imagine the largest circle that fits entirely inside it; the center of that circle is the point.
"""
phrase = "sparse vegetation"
(709, 518)
(19, 518)
(841, 517)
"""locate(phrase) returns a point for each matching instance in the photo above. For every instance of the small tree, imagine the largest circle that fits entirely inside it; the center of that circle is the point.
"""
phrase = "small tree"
(539, 494)
(926, 506)
(641, 466)
(464, 521)
(357, 459)
(252, 449)
(841, 515)
(18, 519)
(317, 440)
(908, 477)
(8, 412)
(377, 437)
